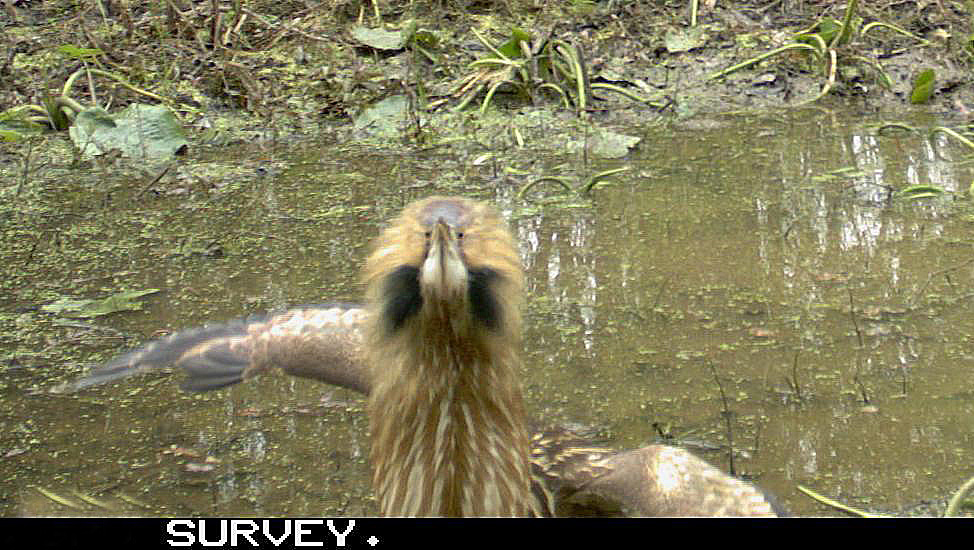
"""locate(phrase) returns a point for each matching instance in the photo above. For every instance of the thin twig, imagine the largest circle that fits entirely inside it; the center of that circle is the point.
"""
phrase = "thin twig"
(852, 315)
(154, 180)
(727, 421)
(794, 377)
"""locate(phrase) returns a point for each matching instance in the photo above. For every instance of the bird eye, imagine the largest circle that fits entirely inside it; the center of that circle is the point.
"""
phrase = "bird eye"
(459, 234)
(428, 234)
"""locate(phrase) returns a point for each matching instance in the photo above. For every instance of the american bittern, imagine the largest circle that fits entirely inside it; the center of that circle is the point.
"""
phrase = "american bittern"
(448, 429)
(442, 332)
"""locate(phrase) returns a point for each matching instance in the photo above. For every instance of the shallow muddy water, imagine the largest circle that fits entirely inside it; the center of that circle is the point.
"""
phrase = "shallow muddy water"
(766, 258)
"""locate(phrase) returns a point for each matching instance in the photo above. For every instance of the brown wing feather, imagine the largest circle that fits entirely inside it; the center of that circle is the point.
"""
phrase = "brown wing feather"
(657, 480)
(319, 342)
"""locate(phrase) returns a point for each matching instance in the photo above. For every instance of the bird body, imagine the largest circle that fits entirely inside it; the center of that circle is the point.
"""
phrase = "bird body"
(437, 351)
(448, 430)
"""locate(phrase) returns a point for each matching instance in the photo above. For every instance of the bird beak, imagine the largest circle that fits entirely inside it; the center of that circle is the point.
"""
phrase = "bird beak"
(444, 275)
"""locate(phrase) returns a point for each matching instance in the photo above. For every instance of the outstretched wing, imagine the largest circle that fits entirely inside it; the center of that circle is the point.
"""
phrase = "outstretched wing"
(325, 343)
(319, 342)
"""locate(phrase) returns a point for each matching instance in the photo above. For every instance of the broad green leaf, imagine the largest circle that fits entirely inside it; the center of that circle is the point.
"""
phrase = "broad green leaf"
(380, 39)
(684, 40)
(76, 52)
(610, 145)
(139, 132)
(512, 49)
(385, 118)
(923, 87)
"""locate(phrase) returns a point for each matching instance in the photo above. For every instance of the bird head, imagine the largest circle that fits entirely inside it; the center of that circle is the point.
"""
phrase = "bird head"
(446, 262)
